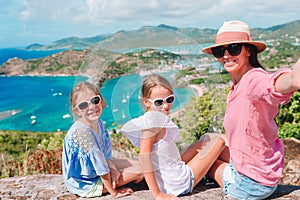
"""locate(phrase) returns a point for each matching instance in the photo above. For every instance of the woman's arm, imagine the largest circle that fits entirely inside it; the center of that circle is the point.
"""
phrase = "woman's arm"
(289, 82)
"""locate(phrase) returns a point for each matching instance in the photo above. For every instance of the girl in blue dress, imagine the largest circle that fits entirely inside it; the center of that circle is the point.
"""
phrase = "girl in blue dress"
(88, 167)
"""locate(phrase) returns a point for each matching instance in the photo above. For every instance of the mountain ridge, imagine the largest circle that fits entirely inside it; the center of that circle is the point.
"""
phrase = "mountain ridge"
(195, 35)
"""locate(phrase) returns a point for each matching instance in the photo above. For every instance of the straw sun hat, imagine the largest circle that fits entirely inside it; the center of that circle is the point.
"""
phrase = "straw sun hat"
(234, 32)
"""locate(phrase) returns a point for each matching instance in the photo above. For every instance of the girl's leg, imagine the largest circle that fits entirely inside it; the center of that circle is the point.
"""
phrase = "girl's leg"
(130, 171)
(216, 171)
(203, 154)
(190, 152)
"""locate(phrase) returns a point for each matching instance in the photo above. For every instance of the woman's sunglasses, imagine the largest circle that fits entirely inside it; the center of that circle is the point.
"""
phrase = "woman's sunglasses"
(159, 102)
(84, 105)
(233, 50)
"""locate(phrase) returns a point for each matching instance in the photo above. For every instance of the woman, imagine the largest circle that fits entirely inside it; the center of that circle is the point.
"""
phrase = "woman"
(252, 104)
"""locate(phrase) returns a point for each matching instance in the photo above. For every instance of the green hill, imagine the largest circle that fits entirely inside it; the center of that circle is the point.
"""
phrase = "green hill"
(165, 35)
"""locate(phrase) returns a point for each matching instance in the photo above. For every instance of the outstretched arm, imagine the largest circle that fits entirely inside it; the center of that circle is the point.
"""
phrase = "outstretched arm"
(289, 82)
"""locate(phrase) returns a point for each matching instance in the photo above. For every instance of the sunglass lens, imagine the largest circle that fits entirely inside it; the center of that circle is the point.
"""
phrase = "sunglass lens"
(234, 49)
(95, 100)
(170, 99)
(218, 52)
(83, 105)
(158, 102)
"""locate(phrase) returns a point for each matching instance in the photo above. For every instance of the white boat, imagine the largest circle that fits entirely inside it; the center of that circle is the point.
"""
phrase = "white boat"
(115, 110)
(124, 100)
(66, 116)
(33, 122)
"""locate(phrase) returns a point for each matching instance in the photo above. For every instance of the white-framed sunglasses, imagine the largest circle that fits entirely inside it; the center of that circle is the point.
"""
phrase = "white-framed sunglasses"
(159, 101)
(85, 104)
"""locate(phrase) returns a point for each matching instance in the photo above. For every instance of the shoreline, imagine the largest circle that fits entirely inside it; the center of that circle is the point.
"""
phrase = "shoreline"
(199, 91)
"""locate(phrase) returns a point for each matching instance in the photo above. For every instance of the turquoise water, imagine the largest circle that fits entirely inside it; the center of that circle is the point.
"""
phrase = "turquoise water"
(24, 99)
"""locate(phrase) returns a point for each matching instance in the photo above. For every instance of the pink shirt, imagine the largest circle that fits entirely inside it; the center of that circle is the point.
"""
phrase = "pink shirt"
(252, 105)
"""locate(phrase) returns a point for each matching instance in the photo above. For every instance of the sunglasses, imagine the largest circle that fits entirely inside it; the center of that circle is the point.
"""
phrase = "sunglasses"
(84, 105)
(159, 102)
(233, 50)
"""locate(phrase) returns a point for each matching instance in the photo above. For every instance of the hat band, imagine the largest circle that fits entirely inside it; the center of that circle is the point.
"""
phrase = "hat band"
(232, 37)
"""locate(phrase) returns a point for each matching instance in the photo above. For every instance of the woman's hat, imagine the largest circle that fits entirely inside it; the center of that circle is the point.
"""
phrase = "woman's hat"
(235, 32)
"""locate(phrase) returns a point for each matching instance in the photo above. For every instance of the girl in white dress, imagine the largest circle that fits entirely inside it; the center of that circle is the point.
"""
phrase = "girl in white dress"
(168, 172)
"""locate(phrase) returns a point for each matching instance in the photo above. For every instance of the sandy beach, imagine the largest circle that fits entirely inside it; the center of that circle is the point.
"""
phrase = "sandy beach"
(199, 90)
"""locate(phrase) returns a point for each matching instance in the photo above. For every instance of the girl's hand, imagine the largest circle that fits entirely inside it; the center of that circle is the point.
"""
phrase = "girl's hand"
(122, 192)
(115, 175)
(163, 196)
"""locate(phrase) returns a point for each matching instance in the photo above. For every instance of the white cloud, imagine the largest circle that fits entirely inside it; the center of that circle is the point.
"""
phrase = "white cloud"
(190, 12)
(50, 20)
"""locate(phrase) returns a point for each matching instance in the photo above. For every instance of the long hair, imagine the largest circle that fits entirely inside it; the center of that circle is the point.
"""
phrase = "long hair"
(253, 59)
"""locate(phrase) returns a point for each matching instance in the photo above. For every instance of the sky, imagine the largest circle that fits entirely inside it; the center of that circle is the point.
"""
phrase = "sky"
(24, 22)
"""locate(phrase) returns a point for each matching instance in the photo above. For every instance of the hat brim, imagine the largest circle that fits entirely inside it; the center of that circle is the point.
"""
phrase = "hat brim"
(260, 46)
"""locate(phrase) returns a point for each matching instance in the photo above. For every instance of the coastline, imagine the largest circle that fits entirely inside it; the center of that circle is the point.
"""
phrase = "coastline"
(199, 91)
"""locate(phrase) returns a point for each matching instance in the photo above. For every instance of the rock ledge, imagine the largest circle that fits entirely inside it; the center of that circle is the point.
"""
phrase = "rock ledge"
(49, 186)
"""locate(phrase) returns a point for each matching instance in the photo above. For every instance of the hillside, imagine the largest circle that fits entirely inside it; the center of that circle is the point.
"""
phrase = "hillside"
(96, 64)
(165, 35)
(100, 60)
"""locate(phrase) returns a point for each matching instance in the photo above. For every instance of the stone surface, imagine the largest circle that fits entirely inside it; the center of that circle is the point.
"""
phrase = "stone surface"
(44, 187)
(51, 186)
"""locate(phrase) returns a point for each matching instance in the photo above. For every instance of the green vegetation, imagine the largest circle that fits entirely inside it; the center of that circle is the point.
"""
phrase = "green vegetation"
(288, 118)
(18, 143)
(203, 114)
(24, 153)
(280, 54)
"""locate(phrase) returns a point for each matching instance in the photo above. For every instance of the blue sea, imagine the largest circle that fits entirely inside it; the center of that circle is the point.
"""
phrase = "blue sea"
(7, 53)
(45, 101)
(42, 103)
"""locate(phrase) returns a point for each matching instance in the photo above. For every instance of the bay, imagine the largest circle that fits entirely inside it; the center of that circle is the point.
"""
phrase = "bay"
(30, 103)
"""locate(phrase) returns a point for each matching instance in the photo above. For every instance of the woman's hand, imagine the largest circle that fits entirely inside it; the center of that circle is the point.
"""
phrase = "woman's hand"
(296, 74)
(289, 82)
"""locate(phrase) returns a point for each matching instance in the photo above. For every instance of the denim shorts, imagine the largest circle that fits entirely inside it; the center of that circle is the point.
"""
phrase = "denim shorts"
(239, 186)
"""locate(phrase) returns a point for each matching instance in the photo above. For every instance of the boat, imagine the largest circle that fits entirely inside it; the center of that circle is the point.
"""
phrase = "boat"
(66, 116)
(115, 109)
(33, 122)
(124, 100)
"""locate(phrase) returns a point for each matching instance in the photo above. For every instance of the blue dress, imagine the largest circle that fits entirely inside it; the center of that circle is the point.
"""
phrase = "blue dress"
(84, 156)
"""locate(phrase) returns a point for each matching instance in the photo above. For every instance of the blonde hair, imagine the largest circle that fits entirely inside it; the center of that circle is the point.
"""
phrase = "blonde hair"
(84, 86)
(152, 81)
